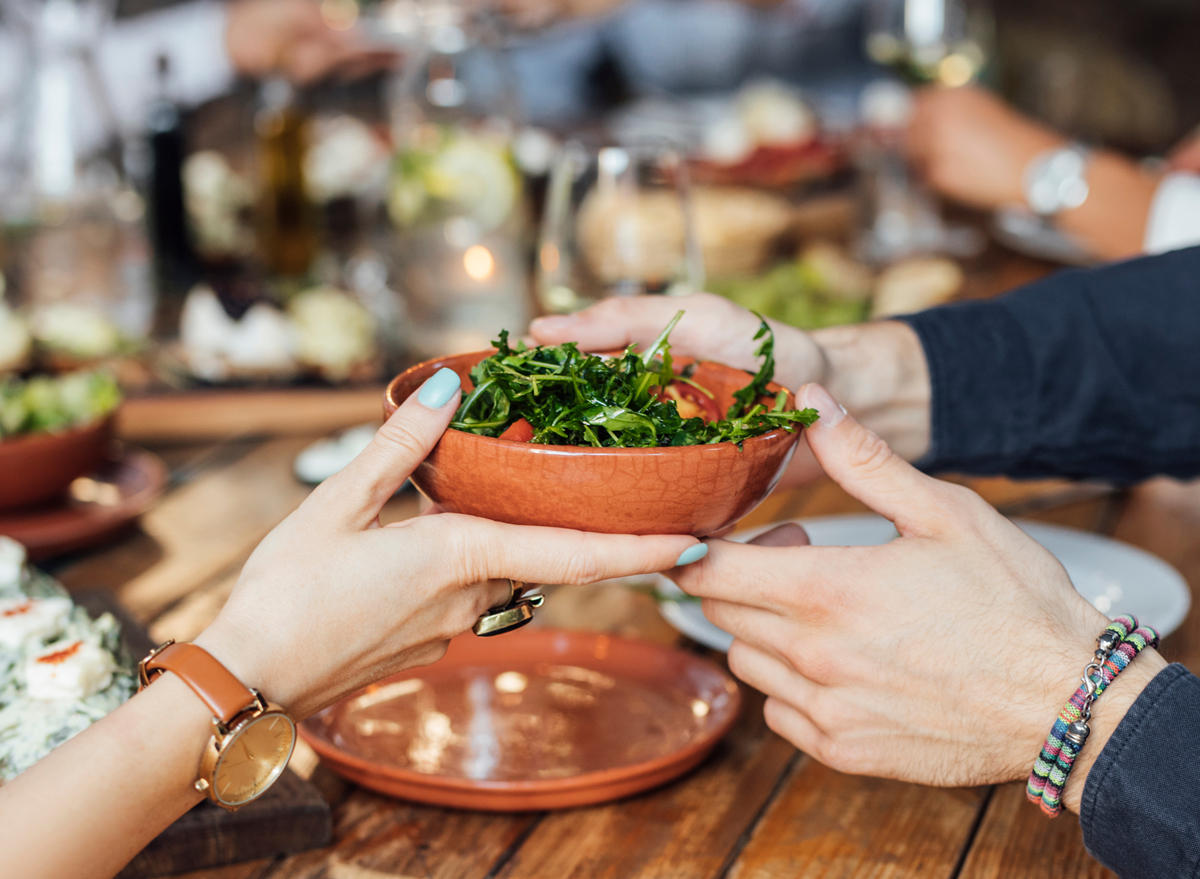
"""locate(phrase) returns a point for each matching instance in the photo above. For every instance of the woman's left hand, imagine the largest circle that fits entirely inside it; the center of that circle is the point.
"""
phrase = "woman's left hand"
(330, 602)
(942, 657)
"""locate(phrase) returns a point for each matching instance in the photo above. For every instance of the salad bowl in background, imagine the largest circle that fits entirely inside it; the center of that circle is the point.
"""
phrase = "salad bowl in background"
(38, 467)
(697, 490)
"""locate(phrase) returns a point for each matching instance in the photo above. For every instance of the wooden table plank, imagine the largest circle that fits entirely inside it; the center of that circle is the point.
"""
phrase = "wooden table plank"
(220, 414)
(688, 829)
(826, 824)
(197, 531)
(376, 837)
(1016, 840)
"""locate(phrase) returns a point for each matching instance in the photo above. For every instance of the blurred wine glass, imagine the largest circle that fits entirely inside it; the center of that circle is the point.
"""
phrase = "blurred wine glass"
(617, 222)
(926, 42)
(930, 41)
(455, 190)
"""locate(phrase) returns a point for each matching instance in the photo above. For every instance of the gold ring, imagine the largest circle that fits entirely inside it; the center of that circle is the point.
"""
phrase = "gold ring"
(513, 614)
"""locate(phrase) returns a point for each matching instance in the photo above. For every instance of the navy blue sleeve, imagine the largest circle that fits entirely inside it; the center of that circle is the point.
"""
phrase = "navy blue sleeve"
(1141, 804)
(1085, 374)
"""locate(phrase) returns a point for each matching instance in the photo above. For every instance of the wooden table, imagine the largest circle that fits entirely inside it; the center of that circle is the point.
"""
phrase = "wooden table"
(757, 808)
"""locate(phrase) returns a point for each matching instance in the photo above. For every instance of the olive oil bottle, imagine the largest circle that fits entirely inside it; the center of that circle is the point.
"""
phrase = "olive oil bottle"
(287, 233)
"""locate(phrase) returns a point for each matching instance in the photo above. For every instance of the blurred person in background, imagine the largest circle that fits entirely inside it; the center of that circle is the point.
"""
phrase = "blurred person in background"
(589, 52)
(974, 149)
(207, 43)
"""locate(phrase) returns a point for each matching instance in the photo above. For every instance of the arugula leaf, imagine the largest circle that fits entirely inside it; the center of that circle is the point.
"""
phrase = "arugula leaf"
(746, 397)
(571, 398)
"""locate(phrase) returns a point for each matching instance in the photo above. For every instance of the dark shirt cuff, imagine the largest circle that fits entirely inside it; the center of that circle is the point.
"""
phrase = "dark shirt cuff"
(981, 372)
(1141, 805)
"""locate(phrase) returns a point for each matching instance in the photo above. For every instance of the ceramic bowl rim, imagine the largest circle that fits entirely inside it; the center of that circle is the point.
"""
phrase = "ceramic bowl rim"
(24, 441)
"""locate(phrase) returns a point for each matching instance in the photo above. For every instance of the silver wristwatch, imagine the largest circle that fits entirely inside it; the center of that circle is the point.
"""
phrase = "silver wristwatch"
(1056, 180)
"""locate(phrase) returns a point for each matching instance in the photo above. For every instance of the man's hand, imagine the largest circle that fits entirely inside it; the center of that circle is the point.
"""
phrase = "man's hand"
(941, 658)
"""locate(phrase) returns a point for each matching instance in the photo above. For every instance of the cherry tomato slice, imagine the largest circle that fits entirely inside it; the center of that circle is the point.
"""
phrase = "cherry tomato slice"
(520, 431)
(691, 402)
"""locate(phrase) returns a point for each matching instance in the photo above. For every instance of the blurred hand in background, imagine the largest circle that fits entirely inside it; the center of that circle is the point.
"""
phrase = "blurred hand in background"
(974, 149)
(302, 40)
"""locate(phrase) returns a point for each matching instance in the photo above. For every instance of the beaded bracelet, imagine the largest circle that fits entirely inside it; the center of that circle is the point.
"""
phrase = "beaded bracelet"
(1117, 645)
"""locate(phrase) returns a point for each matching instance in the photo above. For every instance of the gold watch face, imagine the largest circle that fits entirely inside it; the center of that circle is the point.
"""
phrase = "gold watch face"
(252, 760)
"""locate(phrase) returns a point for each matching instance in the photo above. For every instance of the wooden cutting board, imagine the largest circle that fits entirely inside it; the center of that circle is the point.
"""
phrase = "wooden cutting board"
(290, 817)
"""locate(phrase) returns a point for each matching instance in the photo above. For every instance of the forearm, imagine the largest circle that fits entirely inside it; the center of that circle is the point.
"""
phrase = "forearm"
(89, 806)
(1085, 374)
(878, 372)
(1112, 220)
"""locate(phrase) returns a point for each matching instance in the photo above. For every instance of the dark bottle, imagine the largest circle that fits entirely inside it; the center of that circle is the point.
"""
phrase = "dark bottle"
(287, 235)
(168, 221)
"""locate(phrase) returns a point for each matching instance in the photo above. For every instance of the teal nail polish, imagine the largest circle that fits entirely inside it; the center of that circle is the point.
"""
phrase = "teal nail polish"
(692, 554)
(437, 390)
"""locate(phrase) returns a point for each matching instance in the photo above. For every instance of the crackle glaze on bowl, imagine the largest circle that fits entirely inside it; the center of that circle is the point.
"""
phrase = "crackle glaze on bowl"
(39, 467)
(697, 490)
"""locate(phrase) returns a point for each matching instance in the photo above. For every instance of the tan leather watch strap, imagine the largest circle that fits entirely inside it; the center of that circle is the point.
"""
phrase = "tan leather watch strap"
(223, 693)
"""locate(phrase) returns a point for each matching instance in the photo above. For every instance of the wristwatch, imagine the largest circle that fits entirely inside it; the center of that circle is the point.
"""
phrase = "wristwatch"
(1056, 180)
(252, 738)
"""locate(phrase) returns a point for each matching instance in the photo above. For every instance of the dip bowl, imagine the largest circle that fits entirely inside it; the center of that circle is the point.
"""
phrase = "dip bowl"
(38, 467)
(697, 490)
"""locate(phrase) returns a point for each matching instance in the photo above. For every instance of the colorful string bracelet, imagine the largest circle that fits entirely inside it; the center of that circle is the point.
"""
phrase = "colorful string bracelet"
(1117, 646)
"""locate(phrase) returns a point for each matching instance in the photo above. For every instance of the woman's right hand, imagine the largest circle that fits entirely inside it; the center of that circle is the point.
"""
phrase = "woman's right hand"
(330, 602)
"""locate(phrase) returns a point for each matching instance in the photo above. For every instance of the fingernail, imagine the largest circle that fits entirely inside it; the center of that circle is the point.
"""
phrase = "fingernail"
(832, 412)
(692, 554)
(554, 323)
(439, 388)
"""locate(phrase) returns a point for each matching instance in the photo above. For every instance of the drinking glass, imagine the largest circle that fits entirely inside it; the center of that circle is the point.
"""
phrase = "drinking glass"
(925, 42)
(618, 222)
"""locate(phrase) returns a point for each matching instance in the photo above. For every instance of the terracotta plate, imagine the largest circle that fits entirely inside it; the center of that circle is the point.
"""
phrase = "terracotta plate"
(97, 506)
(536, 719)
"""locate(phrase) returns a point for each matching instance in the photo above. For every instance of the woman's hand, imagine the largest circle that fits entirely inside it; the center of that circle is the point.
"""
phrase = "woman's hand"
(330, 601)
(942, 657)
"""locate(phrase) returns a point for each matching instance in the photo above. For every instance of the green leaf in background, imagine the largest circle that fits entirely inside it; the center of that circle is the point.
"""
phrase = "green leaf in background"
(54, 403)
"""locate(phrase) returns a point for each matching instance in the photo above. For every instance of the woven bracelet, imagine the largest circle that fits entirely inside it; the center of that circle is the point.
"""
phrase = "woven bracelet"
(1118, 644)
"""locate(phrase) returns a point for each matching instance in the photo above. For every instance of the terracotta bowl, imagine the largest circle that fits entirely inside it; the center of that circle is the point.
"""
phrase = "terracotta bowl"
(39, 467)
(697, 490)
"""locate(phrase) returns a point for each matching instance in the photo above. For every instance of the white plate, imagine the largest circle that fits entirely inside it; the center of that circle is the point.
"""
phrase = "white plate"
(1113, 576)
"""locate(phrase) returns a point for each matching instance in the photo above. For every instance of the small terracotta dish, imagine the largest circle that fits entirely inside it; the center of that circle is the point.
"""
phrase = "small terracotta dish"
(538, 719)
(697, 490)
(96, 507)
(40, 466)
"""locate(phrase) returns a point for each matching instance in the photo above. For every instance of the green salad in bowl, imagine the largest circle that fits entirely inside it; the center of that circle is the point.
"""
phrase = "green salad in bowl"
(51, 404)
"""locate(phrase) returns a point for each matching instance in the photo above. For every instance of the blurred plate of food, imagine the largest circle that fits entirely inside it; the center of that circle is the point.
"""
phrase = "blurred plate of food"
(764, 135)
(98, 505)
(52, 429)
(822, 286)
(60, 670)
